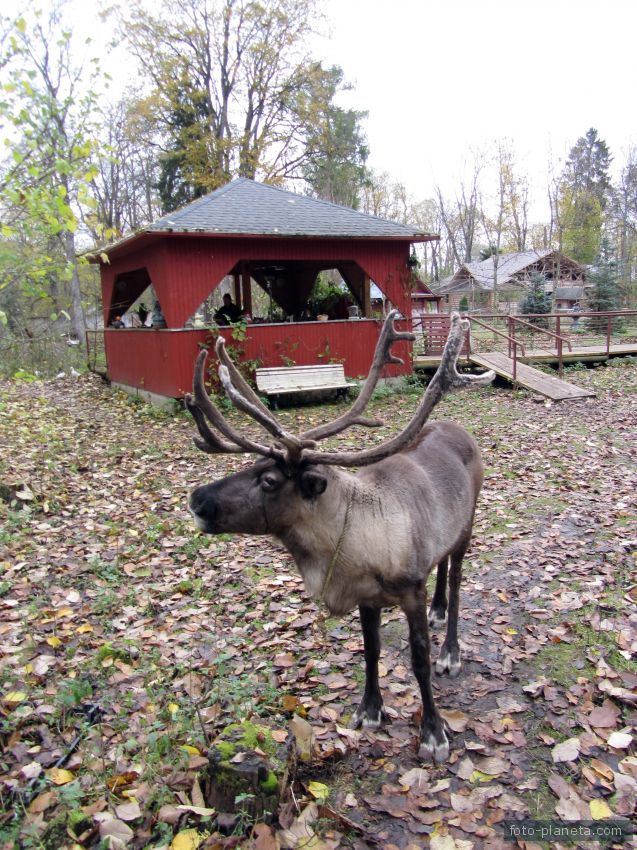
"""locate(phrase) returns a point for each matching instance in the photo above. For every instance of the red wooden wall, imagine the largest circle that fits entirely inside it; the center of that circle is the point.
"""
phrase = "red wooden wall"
(185, 269)
(161, 361)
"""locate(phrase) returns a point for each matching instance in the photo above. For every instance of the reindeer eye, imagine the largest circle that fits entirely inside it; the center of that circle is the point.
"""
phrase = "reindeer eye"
(270, 482)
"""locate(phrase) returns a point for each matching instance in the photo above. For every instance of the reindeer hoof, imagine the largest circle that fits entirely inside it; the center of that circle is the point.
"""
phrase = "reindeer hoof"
(434, 747)
(367, 719)
(436, 618)
(449, 663)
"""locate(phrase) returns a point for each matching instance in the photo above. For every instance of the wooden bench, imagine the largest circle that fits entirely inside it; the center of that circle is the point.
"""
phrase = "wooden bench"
(287, 380)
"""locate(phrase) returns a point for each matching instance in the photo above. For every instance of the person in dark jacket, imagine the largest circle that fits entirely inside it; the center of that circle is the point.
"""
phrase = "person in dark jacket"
(229, 314)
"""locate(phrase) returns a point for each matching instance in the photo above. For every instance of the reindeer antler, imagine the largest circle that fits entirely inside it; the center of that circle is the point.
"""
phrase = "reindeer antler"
(293, 449)
(382, 357)
(202, 407)
(446, 378)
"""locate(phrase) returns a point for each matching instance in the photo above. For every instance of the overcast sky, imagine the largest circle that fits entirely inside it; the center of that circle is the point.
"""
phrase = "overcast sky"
(443, 79)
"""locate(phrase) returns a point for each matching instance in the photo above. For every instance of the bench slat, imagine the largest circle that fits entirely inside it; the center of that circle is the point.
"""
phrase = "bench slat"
(277, 380)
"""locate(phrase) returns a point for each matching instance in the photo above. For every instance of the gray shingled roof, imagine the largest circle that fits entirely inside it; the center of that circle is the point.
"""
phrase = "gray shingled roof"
(482, 273)
(249, 208)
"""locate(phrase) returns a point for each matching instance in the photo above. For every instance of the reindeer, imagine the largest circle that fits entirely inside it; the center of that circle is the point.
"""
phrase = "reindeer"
(368, 539)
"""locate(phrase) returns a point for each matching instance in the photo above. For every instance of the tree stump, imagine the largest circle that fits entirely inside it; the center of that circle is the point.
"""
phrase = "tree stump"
(246, 772)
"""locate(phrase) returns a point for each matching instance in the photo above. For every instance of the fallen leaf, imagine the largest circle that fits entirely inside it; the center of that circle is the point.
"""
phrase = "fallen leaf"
(604, 716)
(187, 839)
(303, 737)
(117, 829)
(60, 776)
(456, 720)
(492, 765)
(566, 750)
(600, 809)
(128, 811)
(448, 842)
(202, 811)
(619, 740)
(264, 838)
(318, 790)
(42, 802)
(14, 697)
(31, 770)
(196, 795)
(121, 780)
(169, 814)
(417, 777)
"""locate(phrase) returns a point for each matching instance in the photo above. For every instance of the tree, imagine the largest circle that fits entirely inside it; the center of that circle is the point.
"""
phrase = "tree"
(582, 197)
(622, 226)
(581, 220)
(125, 185)
(587, 167)
(336, 149)
(460, 217)
(48, 104)
(537, 300)
(233, 92)
(604, 296)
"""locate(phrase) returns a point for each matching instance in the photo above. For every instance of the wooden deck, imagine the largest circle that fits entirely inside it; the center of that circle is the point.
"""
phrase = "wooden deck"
(526, 376)
(589, 353)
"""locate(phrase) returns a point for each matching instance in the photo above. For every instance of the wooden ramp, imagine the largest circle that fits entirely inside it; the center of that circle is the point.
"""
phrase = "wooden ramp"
(527, 376)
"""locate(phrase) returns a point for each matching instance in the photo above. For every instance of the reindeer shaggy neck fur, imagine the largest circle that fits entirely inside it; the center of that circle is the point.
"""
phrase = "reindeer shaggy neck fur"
(367, 540)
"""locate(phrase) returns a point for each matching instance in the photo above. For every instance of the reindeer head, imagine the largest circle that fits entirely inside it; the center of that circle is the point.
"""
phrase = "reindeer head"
(281, 490)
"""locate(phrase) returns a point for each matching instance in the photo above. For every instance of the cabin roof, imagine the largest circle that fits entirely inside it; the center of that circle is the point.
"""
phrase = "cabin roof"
(509, 265)
(244, 208)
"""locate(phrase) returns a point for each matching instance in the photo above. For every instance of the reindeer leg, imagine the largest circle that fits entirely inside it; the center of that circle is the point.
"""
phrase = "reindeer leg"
(438, 609)
(449, 656)
(433, 741)
(370, 713)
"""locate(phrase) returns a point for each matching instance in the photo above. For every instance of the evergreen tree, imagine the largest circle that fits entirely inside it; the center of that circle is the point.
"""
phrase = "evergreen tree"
(537, 299)
(336, 149)
(584, 193)
(604, 296)
(588, 165)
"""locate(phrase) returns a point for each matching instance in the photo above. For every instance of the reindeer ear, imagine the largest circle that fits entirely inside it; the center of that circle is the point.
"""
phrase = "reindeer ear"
(313, 483)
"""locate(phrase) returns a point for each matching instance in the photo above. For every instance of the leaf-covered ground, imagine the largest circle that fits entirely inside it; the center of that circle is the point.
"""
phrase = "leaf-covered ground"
(128, 640)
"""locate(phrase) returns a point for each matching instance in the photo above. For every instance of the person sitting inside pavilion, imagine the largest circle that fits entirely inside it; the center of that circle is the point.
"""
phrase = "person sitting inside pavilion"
(229, 314)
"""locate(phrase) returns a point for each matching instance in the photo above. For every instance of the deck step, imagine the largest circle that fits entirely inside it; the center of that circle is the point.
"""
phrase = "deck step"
(553, 388)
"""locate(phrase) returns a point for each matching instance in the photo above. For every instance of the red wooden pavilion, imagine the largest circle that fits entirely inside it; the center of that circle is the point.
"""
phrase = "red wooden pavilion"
(258, 234)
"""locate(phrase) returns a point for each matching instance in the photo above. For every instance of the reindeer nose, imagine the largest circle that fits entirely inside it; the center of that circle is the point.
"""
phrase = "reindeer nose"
(202, 504)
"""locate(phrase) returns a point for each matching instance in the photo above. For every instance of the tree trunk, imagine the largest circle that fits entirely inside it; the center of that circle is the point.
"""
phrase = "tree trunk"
(78, 320)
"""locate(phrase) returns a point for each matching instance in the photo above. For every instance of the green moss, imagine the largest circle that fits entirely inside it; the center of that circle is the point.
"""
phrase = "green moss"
(77, 821)
(245, 736)
(271, 784)
(225, 749)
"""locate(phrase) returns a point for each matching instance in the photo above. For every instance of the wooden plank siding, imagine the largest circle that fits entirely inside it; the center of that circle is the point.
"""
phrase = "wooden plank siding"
(184, 269)
(161, 361)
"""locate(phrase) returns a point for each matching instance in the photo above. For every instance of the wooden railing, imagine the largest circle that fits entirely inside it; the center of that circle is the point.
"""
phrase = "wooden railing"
(560, 340)
(516, 334)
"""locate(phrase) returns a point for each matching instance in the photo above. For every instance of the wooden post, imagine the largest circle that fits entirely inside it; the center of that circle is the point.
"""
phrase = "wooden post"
(237, 290)
(246, 292)
(367, 298)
